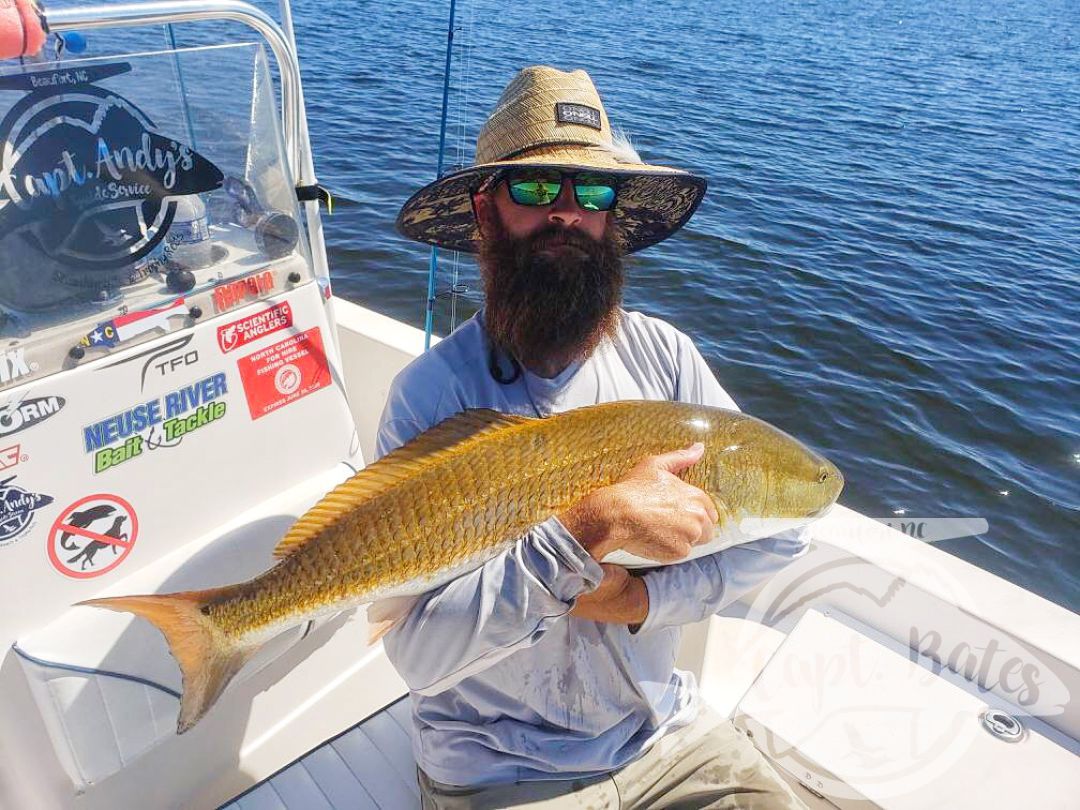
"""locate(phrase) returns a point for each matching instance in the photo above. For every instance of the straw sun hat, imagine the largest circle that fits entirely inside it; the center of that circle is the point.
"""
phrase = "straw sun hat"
(547, 118)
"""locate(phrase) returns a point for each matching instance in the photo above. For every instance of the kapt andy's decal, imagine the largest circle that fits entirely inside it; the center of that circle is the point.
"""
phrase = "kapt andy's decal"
(241, 332)
(20, 414)
(17, 508)
(86, 176)
(158, 422)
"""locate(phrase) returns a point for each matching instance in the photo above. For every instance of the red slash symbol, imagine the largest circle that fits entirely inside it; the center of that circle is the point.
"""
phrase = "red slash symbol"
(83, 535)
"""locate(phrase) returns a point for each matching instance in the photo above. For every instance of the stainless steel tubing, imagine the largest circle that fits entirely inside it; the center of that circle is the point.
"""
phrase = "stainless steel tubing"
(163, 12)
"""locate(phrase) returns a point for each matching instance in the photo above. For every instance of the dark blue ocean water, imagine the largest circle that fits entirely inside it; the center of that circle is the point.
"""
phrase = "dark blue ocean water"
(887, 261)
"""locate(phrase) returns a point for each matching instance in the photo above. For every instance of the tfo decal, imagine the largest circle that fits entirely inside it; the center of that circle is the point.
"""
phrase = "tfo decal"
(17, 508)
(163, 359)
(159, 422)
(92, 536)
(230, 294)
(245, 330)
(22, 414)
(86, 176)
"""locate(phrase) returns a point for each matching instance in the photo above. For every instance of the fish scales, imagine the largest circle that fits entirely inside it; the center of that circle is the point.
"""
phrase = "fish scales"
(458, 495)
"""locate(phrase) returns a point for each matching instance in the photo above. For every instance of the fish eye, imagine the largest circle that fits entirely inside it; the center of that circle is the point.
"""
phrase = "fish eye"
(823, 476)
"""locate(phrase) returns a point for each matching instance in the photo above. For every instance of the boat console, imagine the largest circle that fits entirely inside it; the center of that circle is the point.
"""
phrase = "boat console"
(171, 397)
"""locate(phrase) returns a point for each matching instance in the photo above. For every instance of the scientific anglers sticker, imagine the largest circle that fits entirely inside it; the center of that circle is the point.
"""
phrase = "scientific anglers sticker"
(241, 332)
(85, 174)
(284, 372)
(17, 508)
(92, 536)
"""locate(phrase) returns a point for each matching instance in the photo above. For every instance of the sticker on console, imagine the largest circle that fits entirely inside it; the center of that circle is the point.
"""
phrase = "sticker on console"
(231, 294)
(283, 373)
(159, 422)
(17, 508)
(21, 414)
(93, 536)
(245, 330)
(10, 456)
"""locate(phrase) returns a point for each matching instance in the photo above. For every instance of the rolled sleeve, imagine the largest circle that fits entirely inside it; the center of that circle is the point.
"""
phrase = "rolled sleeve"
(573, 571)
(690, 591)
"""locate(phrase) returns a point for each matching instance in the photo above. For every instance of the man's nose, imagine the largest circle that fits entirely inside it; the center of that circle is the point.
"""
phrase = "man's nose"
(565, 210)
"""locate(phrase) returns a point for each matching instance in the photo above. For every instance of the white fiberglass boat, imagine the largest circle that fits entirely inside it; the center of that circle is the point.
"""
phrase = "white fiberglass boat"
(178, 384)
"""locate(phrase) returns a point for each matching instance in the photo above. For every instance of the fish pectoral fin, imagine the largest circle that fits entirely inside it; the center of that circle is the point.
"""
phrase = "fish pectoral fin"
(384, 615)
(207, 659)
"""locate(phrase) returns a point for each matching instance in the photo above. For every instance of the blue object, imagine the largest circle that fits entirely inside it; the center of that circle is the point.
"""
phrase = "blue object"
(74, 42)
(433, 266)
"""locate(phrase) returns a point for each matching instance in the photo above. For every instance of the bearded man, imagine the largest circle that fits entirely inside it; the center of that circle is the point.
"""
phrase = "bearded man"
(546, 678)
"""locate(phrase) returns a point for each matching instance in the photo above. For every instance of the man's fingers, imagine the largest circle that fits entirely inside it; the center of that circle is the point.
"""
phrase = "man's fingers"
(704, 524)
(707, 533)
(678, 460)
(682, 551)
(710, 507)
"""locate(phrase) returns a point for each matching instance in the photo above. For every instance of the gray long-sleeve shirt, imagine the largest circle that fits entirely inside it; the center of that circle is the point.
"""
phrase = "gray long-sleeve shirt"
(505, 685)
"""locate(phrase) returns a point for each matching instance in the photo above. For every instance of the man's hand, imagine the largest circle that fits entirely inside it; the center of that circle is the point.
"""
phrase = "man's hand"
(651, 512)
(620, 598)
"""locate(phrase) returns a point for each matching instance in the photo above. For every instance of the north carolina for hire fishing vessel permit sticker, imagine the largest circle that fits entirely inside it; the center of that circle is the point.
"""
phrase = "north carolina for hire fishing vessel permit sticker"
(284, 372)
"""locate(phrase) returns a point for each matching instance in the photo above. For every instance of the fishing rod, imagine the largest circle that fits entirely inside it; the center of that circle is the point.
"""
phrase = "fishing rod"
(433, 264)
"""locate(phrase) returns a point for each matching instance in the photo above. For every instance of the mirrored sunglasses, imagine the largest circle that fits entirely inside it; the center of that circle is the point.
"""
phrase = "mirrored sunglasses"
(539, 187)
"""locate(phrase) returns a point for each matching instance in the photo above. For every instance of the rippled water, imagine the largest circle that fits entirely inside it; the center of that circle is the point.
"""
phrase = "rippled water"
(887, 260)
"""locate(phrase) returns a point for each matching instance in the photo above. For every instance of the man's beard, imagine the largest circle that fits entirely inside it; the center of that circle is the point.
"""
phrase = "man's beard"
(551, 308)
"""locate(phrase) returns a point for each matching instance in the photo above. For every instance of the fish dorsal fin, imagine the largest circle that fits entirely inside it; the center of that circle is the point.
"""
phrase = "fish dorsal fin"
(450, 435)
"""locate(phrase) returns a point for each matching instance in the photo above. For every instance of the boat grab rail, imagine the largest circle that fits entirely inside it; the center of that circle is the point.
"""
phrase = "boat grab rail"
(165, 12)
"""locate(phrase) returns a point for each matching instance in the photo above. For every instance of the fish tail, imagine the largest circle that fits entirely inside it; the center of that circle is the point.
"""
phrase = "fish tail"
(208, 659)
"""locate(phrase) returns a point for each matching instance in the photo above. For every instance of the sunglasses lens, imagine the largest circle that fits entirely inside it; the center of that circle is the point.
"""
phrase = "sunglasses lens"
(595, 194)
(534, 189)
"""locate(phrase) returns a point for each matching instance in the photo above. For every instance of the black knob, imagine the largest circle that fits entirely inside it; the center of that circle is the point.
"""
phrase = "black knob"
(76, 352)
(180, 280)
(195, 313)
(294, 277)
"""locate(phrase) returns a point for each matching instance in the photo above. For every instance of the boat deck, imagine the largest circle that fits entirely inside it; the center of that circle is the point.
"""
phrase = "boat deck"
(369, 767)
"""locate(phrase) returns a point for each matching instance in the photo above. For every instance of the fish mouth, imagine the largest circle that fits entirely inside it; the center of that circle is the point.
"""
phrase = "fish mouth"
(834, 480)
